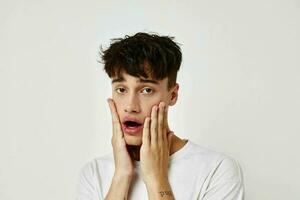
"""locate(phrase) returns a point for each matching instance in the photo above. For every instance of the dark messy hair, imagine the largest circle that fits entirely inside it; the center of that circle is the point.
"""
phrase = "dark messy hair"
(143, 55)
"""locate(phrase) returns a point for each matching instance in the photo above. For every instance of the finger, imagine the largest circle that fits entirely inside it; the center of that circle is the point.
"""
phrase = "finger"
(146, 132)
(153, 126)
(166, 119)
(160, 133)
(117, 130)
(165, 126)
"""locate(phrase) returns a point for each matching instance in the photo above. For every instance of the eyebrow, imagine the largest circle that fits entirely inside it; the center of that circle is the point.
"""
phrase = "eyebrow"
(121, 79)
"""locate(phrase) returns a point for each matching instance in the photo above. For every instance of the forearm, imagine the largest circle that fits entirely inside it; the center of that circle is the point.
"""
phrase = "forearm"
(119, 188)
(159, 190)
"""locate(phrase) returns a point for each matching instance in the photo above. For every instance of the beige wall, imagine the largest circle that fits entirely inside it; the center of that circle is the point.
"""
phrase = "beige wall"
(239, 87)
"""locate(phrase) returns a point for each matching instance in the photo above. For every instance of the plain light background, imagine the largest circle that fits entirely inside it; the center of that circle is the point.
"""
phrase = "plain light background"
(239, 88)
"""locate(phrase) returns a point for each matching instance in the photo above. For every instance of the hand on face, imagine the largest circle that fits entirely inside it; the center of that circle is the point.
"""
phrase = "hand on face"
(123, 163)
(155, 149)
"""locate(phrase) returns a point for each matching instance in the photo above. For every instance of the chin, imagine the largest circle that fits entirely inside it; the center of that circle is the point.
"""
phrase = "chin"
(133, 140)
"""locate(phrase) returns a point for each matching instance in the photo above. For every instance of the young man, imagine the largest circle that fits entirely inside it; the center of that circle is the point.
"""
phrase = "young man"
(148, 160)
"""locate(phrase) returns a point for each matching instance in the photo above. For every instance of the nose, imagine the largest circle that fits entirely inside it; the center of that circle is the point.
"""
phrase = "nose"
(132, 104)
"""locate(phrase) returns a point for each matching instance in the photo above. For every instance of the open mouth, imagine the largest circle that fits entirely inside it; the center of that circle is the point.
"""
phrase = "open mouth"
(132, 127)
(131, 124)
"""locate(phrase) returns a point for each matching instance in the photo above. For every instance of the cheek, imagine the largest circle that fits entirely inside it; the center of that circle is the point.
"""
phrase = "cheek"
(118, 103)
(158, 100)
(148, 107)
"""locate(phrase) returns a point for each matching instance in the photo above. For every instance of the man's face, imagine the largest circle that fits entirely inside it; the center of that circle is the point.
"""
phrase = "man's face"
(134, 98)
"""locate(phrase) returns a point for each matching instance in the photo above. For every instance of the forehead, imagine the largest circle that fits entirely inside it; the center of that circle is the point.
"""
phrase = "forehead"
(126, 78)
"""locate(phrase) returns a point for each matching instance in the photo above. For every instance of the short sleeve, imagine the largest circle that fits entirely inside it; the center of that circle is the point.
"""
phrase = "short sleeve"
(85, 189)
(226, 182)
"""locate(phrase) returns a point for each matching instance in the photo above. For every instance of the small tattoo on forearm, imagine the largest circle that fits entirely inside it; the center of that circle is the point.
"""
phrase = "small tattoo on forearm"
(165, 193)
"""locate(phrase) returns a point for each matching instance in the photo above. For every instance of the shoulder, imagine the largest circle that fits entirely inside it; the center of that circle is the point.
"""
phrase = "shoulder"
(217, 164)
(91, 167)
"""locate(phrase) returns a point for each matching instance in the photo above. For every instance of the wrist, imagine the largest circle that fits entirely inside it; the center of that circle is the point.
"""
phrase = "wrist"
(157, 183)
(123, 172)
(122, 176)
(159, 189)
(119, 186)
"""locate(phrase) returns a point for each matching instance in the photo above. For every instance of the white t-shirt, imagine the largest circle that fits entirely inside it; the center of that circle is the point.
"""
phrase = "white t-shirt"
(195, 173)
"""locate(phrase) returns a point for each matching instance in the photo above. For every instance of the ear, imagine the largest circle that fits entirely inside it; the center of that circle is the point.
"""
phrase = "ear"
(174, 94)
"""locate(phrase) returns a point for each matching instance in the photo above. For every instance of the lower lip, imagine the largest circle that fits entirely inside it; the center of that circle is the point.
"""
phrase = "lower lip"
(132, 130)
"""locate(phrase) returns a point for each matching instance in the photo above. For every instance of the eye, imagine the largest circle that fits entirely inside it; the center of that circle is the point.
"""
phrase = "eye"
(120, 90)
(147, 91)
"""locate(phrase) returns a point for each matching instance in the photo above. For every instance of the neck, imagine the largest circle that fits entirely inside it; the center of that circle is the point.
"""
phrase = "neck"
(134, 152)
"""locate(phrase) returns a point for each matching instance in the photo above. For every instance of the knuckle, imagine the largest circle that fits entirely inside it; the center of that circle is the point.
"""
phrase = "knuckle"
(153, 132)
(154, 124)
(160, 124)
(159, 145)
